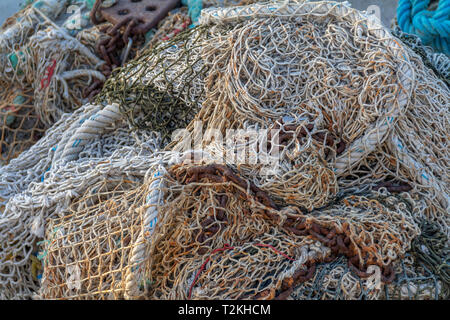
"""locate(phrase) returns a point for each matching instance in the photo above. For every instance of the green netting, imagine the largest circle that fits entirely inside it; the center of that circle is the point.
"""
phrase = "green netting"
(151, 89)
(336, 281)
(431, 249)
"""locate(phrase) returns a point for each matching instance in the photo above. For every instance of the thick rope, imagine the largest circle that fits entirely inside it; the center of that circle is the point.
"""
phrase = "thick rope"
(433, 27)
(155, 198)
(90, 129)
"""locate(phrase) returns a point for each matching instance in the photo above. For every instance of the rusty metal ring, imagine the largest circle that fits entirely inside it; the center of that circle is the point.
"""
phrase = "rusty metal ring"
(94, 11)
(116, 28)
(105, 54)
(128, 30)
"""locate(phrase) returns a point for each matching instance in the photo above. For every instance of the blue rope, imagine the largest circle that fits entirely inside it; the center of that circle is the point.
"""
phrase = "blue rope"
(433, 27)
(194, 9)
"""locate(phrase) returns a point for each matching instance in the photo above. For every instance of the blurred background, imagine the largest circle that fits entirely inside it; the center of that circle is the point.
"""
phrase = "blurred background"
(387, 8)
(8, 8)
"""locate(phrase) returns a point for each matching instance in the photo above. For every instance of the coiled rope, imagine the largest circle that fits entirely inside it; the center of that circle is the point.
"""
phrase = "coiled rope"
(433, 27)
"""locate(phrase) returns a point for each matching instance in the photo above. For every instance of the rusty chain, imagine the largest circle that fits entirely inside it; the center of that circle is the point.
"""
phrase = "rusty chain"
(338, 241)
(119, 45)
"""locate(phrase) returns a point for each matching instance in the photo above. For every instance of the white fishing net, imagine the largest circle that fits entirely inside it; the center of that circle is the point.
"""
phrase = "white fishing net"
(348, 107)
(68, 162)
(44, 62)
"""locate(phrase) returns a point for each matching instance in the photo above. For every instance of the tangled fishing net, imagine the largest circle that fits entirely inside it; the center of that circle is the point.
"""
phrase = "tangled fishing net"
(221, 68)
(72, 65)
(91, 150)
(222, 210)
(438, 62)
(52, 67)
(322, 169)
(160, 103)
(336, 281)
(103, 227)
(48, 60)
(218, 236)
(20, 126)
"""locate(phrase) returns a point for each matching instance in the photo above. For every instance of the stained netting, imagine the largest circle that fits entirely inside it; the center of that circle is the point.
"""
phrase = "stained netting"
(245, 88)
(415, 282)
(51, 67)
(178, 20)
(92, 245)
(431, 250)
(91, 150)
(219, 236)
(336, 281)
(415, 157)
(351, 201)
(420, 101)
(382, 164)
(58, 68)
(20, 126)
(26, 214)
(213, 239)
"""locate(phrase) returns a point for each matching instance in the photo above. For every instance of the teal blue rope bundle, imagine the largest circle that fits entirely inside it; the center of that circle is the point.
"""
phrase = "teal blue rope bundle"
(433, 27)
(194, 9)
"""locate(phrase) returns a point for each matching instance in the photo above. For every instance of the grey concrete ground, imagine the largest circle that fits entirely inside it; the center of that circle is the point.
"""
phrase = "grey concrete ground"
(8, 8)
(387, 8)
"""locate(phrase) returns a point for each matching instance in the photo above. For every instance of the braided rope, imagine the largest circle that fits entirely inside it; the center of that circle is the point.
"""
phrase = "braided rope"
(154, 198)
(90, 129)
(433, 27)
